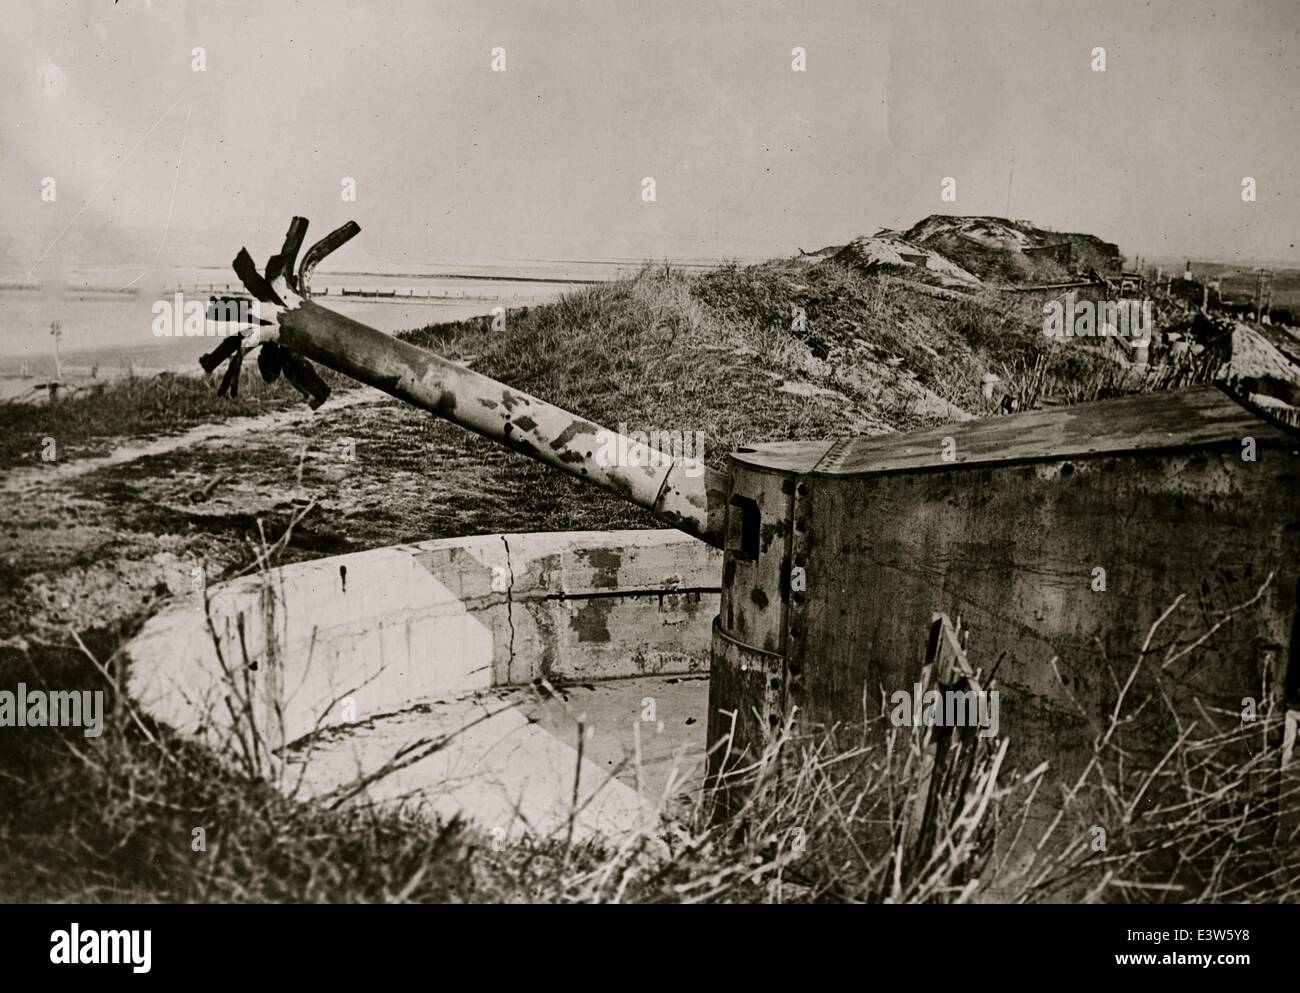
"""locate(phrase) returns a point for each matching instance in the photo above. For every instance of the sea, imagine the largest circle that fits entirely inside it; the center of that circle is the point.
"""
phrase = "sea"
(105, 316)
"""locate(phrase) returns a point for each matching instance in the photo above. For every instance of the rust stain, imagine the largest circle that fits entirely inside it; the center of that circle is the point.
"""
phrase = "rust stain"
(446, 405)
(605, 564)
(591, 620)
(770, 531)
(576, 428)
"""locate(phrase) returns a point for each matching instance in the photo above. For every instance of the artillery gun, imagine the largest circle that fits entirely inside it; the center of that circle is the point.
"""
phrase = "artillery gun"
(1054, 533)
(296, 330)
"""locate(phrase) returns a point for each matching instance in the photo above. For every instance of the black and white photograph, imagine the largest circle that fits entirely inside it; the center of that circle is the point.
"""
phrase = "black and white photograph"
(649, 452)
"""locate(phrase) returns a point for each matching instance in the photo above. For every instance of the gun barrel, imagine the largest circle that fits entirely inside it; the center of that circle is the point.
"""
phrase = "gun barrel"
(682, 492)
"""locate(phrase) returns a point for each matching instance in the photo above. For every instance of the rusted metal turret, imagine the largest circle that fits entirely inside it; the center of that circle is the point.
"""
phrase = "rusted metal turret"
(682, 492)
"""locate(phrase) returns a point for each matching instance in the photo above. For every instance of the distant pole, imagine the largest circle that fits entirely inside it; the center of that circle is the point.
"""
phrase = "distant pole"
(1010, 172)
(1259, 293)
(56, 329)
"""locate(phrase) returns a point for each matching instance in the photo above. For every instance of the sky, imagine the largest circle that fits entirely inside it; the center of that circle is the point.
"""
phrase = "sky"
(452, 160)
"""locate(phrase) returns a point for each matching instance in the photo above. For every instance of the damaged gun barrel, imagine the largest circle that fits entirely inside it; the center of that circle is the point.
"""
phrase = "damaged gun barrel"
(682, 492)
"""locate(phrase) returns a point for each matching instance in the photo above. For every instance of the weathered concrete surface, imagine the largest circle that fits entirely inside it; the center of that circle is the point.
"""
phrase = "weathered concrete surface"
(355, 636)
(508, 758)
(647, 732)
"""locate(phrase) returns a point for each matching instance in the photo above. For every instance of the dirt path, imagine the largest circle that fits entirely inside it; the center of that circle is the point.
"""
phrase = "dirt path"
(21, 481)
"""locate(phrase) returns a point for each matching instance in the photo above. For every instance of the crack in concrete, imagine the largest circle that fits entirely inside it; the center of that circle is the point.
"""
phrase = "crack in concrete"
(510, 609)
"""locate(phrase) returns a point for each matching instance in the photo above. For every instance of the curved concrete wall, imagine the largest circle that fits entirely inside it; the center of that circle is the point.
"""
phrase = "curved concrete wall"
(348, 638)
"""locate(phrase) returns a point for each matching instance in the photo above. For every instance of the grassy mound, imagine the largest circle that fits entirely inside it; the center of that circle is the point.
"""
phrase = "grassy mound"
(774, 352)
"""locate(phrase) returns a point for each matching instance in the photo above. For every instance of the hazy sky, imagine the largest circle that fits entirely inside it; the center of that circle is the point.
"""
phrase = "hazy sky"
(546, 159)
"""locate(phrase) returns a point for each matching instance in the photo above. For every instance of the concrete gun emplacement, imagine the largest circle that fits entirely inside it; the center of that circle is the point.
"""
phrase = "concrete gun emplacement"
(838, 554)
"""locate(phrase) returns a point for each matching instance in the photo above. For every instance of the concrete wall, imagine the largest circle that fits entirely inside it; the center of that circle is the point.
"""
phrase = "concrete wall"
(354, 636)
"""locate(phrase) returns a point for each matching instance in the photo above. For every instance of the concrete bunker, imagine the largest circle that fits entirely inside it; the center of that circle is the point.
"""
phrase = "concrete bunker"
(317, 674)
